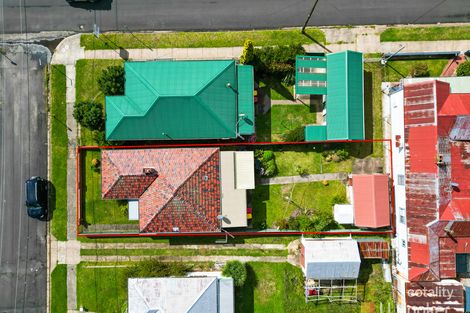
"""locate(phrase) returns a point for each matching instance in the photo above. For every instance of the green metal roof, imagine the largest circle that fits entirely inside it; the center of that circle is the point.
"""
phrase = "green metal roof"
(315, 133)
(310, 74)
(345, 100)
(246, 109)
(175, 100)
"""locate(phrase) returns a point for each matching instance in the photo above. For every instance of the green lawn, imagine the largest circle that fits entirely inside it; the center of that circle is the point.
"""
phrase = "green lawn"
(184, 252)
(97, 210)
(435, 33)
(59, 289)
(270, 205)
(305, 157)
(59, 144)
(276, 89)
(395, 70)
(199, 39)
(281, 119)
(87, 73)
(373, 77)
(102, 289)
(278, 287)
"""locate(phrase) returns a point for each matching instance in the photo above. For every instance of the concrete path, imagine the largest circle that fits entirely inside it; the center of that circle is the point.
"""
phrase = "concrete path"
(283, 180)
(197, 258)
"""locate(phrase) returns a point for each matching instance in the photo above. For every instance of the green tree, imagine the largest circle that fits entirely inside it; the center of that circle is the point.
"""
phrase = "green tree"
(111, 81)
(248, 52)
(237, 271)
(89, 114)
(464, 69)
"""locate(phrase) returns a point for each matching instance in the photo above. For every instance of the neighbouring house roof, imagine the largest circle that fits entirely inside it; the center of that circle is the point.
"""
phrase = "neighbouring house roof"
(340, 77)
(169, 100)
(371, 200)
(176, 188)
(178, 295)
(437, 181)
(331, 258)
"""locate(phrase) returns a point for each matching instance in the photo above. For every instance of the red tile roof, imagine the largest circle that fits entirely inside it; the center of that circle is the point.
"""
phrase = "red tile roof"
(371, 200)
(181, 189)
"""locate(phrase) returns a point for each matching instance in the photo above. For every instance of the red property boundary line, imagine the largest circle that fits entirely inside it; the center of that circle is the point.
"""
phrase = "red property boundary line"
(219, 234)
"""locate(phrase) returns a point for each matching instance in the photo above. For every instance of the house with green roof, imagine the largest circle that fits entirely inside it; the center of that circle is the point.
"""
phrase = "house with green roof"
(182, 100)
(339, 79)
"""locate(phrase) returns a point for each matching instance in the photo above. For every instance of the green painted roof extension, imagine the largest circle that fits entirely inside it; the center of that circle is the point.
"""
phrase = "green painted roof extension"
(246, 109)
(345, 100)
(175, 100)
(315, 133)
(310, 74)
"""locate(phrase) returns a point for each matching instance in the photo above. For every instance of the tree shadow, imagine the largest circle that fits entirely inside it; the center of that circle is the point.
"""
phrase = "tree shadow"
(244, 296)
(365, 272)
(259, 197)
(273, 83)
(100, 5)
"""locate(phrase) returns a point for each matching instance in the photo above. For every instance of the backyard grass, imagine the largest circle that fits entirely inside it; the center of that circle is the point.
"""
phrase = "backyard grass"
(276, 89)
(306, 158)
(278, 287)
(396, 70)
(59, 289)
(97, 210)
(282, 119)
(426, 33)
(184, 252)
(59, 146)
(199, 39)
(373, 122)
(270, 204)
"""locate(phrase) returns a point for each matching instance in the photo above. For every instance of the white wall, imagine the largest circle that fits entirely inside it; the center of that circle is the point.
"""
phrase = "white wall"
(397, 129)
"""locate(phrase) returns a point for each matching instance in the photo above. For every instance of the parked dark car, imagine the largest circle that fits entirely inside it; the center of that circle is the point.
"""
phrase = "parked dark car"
(36, 197)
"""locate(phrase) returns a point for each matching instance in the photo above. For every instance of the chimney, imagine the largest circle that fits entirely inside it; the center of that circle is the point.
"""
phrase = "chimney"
(150, 171)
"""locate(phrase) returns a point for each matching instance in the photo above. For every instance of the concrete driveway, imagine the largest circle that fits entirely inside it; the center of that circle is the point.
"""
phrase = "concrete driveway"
(23, 153)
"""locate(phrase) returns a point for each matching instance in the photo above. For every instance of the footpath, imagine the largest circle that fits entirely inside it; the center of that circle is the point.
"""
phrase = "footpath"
(365, 39)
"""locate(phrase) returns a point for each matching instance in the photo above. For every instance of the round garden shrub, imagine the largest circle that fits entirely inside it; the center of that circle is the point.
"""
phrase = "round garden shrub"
(420, 70)
(464, 69)
(89, 114)
(237, 271)
(111, 81)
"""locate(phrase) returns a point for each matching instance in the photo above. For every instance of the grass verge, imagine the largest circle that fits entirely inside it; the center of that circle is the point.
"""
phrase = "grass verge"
(59, 289)
(199, 39)
(270, 204)
(184, 252)
(59, 144)
(435, 33)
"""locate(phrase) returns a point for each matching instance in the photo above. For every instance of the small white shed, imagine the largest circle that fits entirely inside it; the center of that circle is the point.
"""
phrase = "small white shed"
(343, 213)
(330, 259)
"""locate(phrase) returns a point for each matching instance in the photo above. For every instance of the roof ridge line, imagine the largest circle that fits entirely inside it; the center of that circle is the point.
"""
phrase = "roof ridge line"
(209, 82)
(180, 186)
(119, 174)
(214, 280)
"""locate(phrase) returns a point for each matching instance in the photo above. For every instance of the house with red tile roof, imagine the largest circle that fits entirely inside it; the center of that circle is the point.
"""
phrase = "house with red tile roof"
(431, 162)
(179, 189)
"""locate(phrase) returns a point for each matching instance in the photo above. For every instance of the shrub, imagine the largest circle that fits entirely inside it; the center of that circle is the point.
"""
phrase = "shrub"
(420, 70)
(295, 135)
(302, 171)
(89, 114)
(237, 271)
(278, 61)
(341, 155)
(111, 81)
(293, 224)
(268, 155)
(259, 153)
(248, 52)
(270, 168)
(323, 220)
(464, 69)
(281, 223)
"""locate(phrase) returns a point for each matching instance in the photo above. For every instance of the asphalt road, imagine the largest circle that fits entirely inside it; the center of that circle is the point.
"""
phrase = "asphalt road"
(54, 15)
(23, 153)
